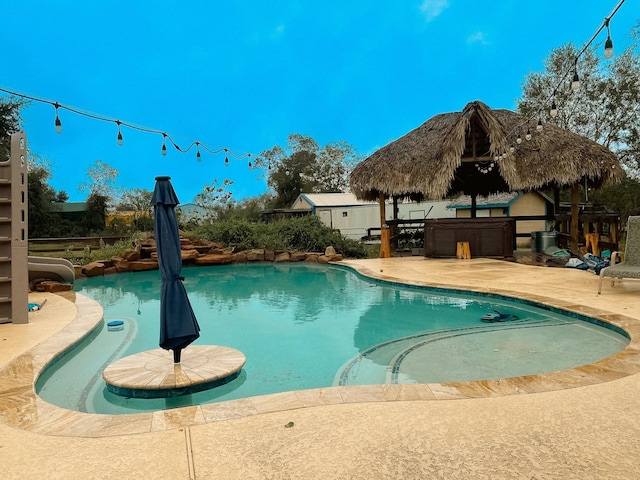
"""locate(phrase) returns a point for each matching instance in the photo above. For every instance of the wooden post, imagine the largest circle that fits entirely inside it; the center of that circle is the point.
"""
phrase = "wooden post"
(575, 198)
(385, 234)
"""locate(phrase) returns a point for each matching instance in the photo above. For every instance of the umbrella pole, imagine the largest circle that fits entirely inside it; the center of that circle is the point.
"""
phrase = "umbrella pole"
(176, 355)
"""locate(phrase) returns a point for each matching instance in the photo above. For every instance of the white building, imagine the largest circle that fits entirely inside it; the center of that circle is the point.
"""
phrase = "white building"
(353, 217)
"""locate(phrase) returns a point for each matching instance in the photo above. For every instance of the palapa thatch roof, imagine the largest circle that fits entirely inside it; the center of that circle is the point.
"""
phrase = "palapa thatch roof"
(456, 152)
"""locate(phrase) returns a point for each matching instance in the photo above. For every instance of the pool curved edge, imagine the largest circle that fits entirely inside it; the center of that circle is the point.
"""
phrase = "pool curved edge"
(21, 407)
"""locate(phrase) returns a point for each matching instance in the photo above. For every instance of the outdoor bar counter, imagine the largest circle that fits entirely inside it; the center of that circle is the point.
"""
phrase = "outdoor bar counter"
(487, 237)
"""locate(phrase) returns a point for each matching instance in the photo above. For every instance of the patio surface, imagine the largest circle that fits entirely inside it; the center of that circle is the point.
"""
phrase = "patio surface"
(581, 423)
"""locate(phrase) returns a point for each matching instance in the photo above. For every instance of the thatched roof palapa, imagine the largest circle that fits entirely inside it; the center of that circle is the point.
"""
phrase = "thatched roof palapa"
(455, 152)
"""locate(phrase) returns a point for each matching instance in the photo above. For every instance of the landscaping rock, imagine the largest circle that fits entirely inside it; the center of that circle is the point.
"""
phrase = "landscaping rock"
(131, 255)
(255, 255)
(213, 259)
(329, 251)
(53, 287)
(240, 257)
(269, 255)
(143, 265)
(298, 256)
(93, 269)
(282, 257)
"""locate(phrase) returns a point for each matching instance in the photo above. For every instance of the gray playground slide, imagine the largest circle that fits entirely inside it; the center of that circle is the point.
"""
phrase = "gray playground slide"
(58, 269)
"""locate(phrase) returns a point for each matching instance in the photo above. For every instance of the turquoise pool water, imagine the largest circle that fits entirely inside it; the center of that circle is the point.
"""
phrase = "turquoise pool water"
(310, 326)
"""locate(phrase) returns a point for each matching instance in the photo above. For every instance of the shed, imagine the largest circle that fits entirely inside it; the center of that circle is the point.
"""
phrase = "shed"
(355, 218)
(533, 210)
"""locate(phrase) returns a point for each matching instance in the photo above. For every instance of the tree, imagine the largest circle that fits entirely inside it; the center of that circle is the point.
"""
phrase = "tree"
(622, 198)
(606, 107)
(94, 216)
(136, 200)
(215, 199)
(10, 122)
(302, 166)
(101, 181)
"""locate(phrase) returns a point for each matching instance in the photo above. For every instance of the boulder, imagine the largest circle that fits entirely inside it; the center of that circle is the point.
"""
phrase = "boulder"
(213, 259)
(131, 255)
(282, 257)
(143, 265)
(329, 251)
(54, 287)
(312, 258)
(269, 255)
(240, 257)
(191, 254)
(298, 256)
(93, 269)
(255, 255)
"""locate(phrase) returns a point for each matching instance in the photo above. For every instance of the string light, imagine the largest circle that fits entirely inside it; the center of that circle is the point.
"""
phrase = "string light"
(575, 81)
(528, 135)
(120, 124)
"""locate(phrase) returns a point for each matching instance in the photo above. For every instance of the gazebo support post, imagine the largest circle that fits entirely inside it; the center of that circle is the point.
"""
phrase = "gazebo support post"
(474, 205)
(575, 198)
(385, 237)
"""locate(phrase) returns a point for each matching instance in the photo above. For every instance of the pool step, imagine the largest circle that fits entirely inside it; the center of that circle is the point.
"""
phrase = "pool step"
(381, 364)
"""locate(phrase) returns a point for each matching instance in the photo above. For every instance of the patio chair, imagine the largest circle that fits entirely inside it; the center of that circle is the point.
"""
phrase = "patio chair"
(630, 267)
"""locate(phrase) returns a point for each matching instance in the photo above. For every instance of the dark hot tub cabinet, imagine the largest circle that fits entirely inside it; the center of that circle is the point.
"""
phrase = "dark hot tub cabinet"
(487, 237)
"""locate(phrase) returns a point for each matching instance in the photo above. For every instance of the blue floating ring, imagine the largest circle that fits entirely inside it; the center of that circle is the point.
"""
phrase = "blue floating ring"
(115, 323)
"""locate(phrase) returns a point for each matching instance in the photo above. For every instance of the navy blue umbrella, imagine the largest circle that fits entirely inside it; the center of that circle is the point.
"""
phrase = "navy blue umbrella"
(178, 324)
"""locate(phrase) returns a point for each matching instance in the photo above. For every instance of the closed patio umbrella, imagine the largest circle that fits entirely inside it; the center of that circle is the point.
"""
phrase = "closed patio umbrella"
(178, 324)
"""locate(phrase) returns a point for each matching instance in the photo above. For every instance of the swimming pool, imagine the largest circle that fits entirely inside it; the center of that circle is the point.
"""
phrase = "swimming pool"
(309, 326)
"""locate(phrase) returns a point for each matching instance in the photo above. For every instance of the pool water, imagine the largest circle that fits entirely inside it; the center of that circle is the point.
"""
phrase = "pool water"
(306, 326)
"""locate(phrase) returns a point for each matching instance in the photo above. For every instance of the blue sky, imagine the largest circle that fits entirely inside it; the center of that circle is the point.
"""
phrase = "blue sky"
(244, 75)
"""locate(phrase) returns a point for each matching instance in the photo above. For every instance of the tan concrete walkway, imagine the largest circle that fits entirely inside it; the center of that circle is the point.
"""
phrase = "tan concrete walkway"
(592, 431)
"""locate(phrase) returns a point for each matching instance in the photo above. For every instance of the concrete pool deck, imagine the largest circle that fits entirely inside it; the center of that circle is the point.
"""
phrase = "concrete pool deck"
(592, 431)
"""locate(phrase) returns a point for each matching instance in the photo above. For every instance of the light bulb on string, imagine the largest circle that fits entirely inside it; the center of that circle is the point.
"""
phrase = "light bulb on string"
(198, 156)
(528, 134)
(163, 151)
(519, 139)
(58, 123)
(554, 109)
(120, 140)
(249, 155)
(539, 126)
(575, 82)
(226, 158)
(512, 148)
(608, 44)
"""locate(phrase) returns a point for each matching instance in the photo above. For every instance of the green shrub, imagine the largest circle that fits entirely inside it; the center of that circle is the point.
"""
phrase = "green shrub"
(306, 234)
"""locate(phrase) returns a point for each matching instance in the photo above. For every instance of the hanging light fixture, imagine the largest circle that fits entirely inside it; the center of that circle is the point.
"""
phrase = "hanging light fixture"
(519, 139)
(120, 140)
(608, 44)
(163, 151)
(539, 126)
(528, 135)
(575, 82)
(198, 156)
(554, 108)
(58, 123)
